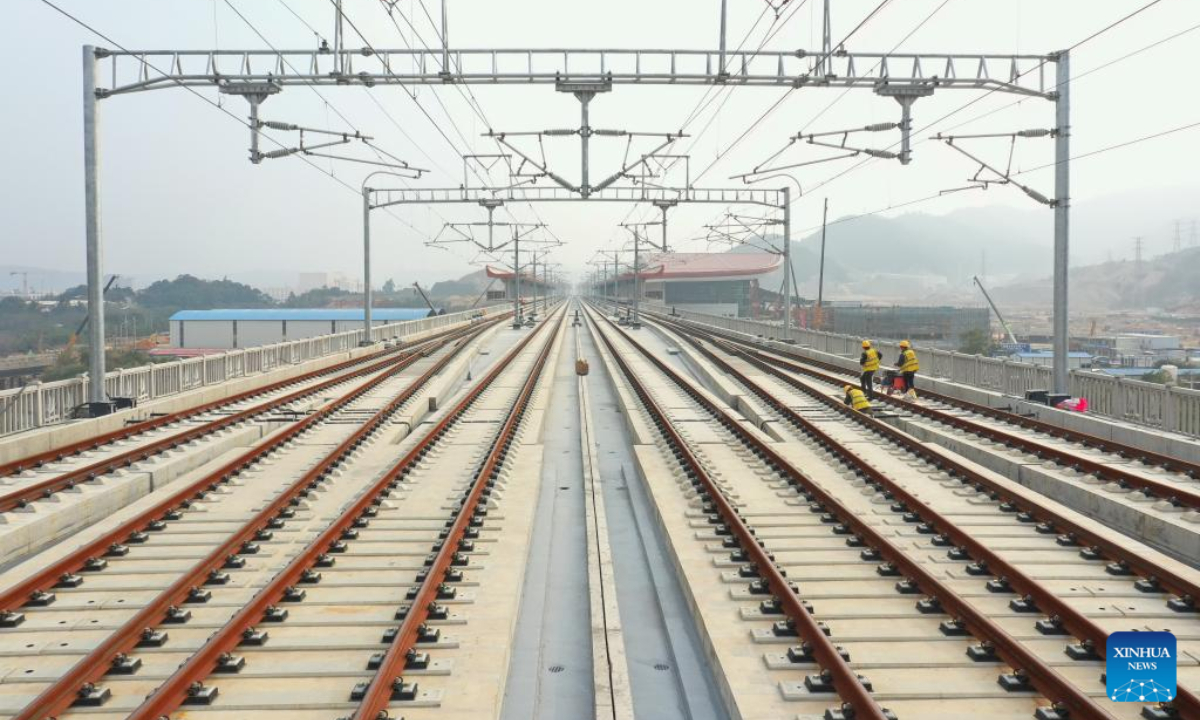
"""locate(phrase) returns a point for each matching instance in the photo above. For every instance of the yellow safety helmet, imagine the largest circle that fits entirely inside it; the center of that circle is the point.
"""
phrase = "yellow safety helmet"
(866, 343)
(848, 388)
(904, 343)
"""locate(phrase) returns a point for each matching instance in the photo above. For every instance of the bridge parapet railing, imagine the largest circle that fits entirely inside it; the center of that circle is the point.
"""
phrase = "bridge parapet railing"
(39, 404)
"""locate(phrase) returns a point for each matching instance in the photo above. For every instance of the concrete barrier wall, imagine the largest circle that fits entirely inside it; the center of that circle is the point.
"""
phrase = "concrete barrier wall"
(46, 404)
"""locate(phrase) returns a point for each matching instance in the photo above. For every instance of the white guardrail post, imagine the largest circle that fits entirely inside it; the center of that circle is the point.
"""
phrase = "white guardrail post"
(40, 404)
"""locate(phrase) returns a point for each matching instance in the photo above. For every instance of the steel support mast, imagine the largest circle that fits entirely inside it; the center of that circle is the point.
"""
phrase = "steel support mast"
(1062, 221)
(367, 299)
(97, 395)
(787, 262)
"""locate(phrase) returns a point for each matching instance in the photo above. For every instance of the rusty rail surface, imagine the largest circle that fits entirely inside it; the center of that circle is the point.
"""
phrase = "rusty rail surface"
(388, 680)
(1060, 618)
(846, 682)
(1027, 666)
(1166, 491)
(22, 496)
(35, 589)
(81, 677)
(186, 683)
(1155, 578)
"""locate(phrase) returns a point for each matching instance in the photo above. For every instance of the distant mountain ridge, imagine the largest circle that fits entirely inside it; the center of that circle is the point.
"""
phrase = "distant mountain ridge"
(903, 258)
(921, 258)
(1169, 281)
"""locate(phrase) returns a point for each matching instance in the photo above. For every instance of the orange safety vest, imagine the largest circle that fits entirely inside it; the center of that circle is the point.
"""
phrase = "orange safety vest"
(872, 363)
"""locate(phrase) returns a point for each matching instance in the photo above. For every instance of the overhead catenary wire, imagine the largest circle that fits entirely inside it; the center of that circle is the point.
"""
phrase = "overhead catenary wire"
(418, 146)
(788, 93)
(1081, 156)
(380, 153)
(399, 127)
(306, 160)
(928, 17)
(306, 24)
(773, 29)
(424, 111)
(1086, 73)
(468, 96)
(1092, 153)
(1108, 28)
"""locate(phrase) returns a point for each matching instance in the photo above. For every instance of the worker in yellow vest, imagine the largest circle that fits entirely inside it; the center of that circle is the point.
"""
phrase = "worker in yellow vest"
(908, 369)
(869, 362)
(856, 399)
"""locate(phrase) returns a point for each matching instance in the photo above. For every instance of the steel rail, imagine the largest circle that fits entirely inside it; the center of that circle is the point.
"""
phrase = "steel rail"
(1025, 663)
(387, 679)
(187, 680)
(23, 496)
(1061, 615)
(1157, 488)
(846, 682)
(1154, 578)
(96, 442)
(34, 590)
(207, 571)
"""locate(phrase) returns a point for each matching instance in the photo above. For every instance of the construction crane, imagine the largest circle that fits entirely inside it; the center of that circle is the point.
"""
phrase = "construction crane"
(432, 309)
(1011, 338)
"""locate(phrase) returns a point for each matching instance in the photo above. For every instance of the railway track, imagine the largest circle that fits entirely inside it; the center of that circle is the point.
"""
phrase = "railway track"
(41, 476)
(1155, 476)
(977, 570)
(1164, 524)
(369, 559)
(293, 582)
(1145, 575)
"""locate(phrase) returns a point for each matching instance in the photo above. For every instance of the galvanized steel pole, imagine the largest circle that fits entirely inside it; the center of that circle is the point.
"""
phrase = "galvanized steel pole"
(91, 204)
(721, 60)
(821, 268)
(787, 262)
(637, 278)
(585, 134)
(1062, 208)
(516, 268)
(445, 40)
(366, 198)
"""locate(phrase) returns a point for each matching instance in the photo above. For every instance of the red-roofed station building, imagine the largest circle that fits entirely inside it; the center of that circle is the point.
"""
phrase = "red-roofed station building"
(716, 283)
(506, 276)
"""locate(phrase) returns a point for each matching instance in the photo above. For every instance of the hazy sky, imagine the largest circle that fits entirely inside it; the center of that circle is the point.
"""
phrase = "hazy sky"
(180, 196)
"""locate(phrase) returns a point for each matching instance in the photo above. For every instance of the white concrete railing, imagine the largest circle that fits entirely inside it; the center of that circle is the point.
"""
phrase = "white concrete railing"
(1168, 408)
(40, 404)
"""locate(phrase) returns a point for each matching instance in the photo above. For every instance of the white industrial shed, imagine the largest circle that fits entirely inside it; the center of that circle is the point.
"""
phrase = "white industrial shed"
(227, 329)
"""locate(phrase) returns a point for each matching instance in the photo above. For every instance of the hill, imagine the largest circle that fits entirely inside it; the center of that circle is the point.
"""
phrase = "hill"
(907, 258)
(1167, 281)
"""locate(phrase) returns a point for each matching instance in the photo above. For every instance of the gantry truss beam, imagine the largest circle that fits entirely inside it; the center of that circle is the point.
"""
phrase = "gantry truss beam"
(134, 71)
(525, 194)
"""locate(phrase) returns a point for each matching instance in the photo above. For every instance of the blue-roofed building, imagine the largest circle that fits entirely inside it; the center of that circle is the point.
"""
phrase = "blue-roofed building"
(227, 329)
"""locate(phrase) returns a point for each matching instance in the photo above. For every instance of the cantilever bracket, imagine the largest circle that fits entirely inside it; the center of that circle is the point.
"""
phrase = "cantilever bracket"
(255, 93)
(906, 95)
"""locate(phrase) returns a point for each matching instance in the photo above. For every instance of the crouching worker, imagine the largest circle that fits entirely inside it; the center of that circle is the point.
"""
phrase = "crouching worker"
(856, 399)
